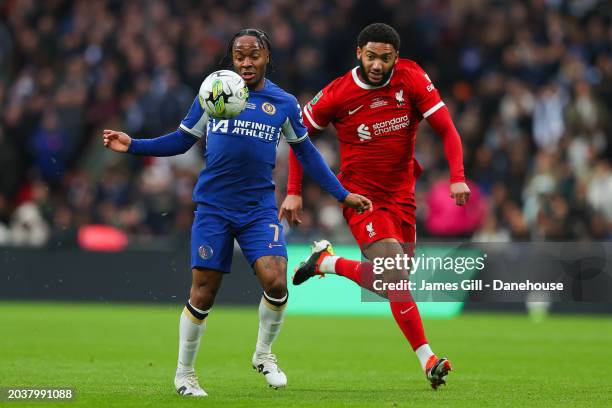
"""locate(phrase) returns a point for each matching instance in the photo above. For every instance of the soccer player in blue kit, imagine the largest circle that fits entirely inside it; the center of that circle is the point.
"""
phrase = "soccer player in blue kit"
(235, 200)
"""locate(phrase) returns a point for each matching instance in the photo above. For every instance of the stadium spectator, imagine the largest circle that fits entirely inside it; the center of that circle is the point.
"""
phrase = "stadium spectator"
(532, 79)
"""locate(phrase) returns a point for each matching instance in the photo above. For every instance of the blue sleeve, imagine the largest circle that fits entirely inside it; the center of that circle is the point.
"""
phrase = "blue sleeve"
(196, 120)
(293, 128)
(177, 142)
(316, 168)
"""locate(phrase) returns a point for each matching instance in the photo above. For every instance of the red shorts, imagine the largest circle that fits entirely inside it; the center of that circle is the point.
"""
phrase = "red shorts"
(387, 220)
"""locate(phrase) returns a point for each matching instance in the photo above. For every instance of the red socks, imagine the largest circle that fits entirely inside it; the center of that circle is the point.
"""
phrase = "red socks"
(408, 319)
(362, 273)
(350, 269)
(404, 309)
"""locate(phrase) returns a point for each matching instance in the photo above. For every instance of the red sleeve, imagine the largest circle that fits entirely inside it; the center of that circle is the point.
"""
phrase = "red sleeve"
(317, 114)
(424, 94)
(442, 123)
(294, 180)
(321, 109)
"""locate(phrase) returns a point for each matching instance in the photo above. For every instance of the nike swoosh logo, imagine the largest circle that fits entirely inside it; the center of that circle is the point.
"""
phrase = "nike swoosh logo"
(355, 110)
(407, 310)
(274, 245)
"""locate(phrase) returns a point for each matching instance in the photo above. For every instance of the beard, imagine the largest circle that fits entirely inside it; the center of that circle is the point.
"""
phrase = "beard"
(364, 76)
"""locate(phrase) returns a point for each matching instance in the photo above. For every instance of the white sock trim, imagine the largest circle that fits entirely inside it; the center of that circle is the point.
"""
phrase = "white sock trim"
(198, 310)
(328, 264)
(423, 353)
(270, 298)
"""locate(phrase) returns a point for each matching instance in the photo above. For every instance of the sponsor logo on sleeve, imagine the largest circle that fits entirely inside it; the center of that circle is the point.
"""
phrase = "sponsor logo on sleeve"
(430, 87)
(316, 97)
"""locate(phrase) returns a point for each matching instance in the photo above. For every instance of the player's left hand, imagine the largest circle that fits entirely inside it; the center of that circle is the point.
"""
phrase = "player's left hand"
(460, 192)
(358, 203)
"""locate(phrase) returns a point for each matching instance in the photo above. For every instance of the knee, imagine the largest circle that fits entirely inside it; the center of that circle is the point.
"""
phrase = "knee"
(277, 288)
(272, 274)
(202, 296)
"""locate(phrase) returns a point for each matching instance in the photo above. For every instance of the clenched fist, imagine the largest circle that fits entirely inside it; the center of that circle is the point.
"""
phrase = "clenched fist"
(358, 202)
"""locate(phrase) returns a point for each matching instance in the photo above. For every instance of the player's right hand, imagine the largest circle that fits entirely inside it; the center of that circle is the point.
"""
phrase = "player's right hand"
(460, 192)
(291, 209)
(358, 202)
(116, 141)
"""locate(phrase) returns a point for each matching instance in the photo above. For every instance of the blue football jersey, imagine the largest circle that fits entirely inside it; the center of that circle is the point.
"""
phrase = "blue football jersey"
(240, 153)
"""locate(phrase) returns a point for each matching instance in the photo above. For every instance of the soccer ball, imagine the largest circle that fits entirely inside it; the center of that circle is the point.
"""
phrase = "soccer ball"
(223, 94)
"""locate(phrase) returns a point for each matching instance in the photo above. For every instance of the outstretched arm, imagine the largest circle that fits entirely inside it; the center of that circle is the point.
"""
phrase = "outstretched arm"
(177, 142)
(315, 166)
(304, 152)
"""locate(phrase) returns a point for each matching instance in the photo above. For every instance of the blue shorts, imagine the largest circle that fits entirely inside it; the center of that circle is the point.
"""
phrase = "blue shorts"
(258, 232)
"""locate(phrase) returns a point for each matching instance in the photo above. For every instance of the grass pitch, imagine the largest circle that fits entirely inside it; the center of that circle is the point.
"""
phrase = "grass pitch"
(118, 355)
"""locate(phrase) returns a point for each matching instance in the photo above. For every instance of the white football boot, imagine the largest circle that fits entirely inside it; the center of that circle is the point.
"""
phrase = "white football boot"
(266, 364)
(310, 267)
(187, 385)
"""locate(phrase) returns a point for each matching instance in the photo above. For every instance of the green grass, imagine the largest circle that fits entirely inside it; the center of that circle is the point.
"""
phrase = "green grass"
(117, 355)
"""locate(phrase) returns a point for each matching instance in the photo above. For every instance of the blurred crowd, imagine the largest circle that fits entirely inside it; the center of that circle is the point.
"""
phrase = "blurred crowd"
(529, 85)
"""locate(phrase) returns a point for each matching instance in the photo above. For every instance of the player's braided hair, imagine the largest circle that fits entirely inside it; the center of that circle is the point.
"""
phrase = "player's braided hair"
(260, 35)
(380, 33)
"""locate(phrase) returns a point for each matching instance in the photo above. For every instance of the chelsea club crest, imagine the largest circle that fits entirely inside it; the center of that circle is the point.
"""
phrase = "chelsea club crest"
(268, 108)
(205, 251)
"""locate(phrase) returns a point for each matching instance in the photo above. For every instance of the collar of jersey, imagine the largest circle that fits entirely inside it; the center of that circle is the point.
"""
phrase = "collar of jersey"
(363, 85)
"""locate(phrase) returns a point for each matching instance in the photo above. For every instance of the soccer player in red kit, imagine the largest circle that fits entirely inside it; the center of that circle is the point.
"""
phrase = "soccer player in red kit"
(376, 109)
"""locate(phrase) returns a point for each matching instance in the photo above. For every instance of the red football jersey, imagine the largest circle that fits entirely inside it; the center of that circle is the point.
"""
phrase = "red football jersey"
(377, 127)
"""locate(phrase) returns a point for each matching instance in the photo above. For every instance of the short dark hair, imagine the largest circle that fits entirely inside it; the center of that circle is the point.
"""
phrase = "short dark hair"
(260, 35)
(379, 33)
